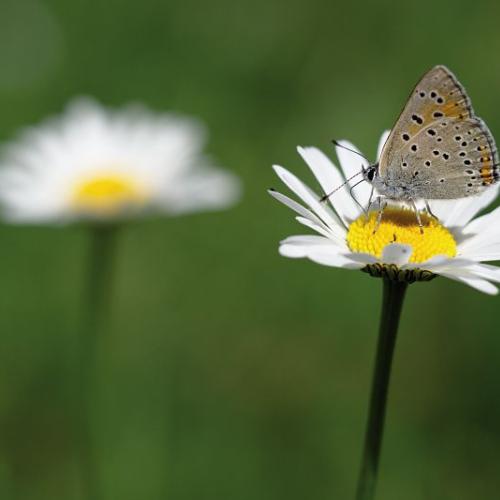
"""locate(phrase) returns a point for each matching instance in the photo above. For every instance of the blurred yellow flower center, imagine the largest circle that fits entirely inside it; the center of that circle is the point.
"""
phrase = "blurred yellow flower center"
(401, 226)
(107, 194)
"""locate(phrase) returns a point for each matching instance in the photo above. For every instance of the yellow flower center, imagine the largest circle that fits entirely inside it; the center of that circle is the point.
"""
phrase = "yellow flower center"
(401, 226)
(107, 194)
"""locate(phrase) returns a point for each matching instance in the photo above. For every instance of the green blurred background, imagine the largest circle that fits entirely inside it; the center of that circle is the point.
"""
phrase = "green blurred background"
(228, 371)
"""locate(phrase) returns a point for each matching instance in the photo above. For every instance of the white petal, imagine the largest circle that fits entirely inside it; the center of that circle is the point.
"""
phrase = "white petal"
(482, 243)
(439, 263)
(485, 255)
(352, 164)
(322, 253)
(485, 271)
(306, 239)
(330, 178)
(472, 274)
(458, 213)
(207, 189)
(442, 209)
(297, 207)
(323, 230)
(310, 199)
(396, 253)
(363, 258)
(334, 260)
(485, 223)
(302, 246)
(430, 265)
(483, 200)
(381, 142)
(477, 283)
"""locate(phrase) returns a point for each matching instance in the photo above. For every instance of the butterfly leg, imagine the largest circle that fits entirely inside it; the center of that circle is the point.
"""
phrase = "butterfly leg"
(381, 207)
(429, 211)
(354, 198)
(417, 215)
(370, 201)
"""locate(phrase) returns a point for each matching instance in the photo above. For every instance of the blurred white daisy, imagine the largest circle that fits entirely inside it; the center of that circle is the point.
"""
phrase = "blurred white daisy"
(97, 164)
(456, 246)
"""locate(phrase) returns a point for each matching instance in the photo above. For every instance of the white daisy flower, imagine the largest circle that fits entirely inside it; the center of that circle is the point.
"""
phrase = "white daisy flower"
(97, 164)
(456, 246)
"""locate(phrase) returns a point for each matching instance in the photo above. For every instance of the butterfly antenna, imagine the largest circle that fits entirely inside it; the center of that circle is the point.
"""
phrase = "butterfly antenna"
(326, 196)
(339, 145)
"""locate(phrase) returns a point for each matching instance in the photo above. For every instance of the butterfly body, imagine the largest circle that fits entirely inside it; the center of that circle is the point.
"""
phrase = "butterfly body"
(438, 148)
(396, 186)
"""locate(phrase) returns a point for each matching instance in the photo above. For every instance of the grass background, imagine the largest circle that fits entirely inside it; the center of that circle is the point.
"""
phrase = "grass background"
(228, 371)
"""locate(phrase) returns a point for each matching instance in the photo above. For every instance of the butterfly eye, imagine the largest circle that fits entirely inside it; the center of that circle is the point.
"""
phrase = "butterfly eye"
(370, 173)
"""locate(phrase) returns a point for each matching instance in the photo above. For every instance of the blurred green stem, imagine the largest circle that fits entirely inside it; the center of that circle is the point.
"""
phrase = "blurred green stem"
(97, 294)
(392, 303)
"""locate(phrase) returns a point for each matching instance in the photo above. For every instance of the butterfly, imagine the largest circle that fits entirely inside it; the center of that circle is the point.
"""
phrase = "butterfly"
(438, 148)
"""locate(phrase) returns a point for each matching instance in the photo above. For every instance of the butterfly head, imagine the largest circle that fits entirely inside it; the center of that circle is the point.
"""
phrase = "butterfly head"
(370, 172)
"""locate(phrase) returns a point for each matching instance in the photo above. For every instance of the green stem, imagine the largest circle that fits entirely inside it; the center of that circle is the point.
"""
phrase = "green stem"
(94, 322)
(394, 293)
